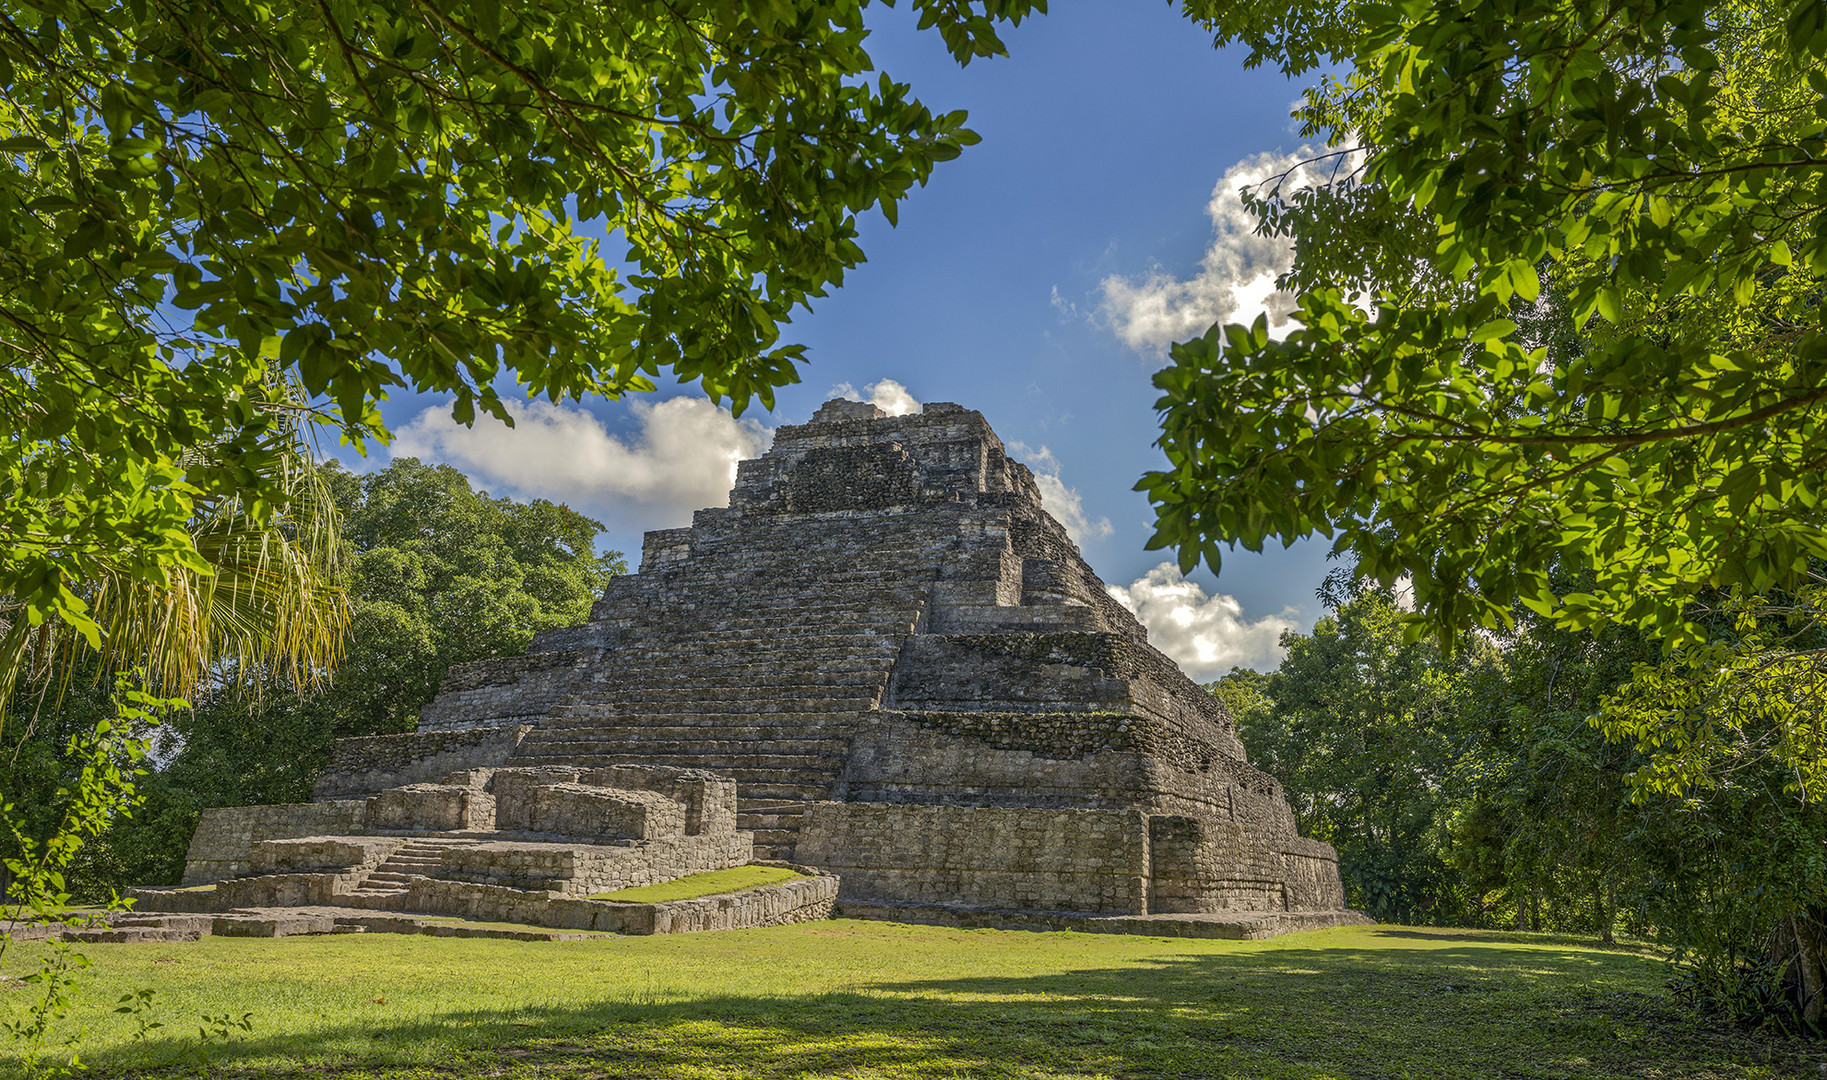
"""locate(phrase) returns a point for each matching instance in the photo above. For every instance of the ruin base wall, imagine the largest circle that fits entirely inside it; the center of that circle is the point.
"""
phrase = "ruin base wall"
(224, 841)
(1003, 857)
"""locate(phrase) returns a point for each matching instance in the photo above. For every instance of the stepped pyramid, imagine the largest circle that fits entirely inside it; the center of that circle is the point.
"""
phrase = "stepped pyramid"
(915, 682)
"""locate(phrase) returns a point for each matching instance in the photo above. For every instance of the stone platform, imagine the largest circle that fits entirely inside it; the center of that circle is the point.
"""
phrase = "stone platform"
(532, 846)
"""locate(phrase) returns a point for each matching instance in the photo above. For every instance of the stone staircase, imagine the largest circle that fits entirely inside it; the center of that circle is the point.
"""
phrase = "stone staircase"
(754, 663)
(387, 885)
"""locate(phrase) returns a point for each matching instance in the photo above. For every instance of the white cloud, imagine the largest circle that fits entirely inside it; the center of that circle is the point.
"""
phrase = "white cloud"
(1206, 635)
(887, 395)
(683, 457)
(1064, 503)
(1236, 278)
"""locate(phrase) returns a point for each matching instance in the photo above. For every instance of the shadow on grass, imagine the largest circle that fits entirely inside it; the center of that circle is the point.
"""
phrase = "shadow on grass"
(1520, 937)
(1363, 1013)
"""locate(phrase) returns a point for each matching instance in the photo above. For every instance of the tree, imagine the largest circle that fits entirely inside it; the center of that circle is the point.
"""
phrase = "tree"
(1559, 319)
(376, 194)
(437, 574)
(1655, 164)
(1366, 733)
(1545, 820)
(442, 575)
(267, 616)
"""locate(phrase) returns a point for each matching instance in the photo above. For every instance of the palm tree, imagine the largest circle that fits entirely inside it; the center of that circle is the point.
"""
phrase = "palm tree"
(268, 600)
(265, 599)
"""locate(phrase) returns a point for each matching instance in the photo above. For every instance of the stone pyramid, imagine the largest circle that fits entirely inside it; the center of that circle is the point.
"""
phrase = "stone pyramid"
(914, 680)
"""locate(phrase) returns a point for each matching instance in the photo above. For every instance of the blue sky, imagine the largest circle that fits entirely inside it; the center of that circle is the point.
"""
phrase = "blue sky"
(1035, 279)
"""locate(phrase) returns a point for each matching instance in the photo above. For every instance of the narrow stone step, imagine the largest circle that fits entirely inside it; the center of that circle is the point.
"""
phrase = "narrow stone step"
(670, 741)
(683, 704)
(761, 782)
(750, 767)
(697, 726)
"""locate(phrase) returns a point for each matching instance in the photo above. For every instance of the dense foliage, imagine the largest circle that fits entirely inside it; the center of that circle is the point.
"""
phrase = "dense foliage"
(1365, 733)
(1559, 362)
(1654, 165)
(372, 194)
(437, 574)
(1471, 787)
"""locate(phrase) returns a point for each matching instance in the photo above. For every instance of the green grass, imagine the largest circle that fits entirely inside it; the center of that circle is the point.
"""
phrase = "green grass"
(872, 1001)
(692, 886)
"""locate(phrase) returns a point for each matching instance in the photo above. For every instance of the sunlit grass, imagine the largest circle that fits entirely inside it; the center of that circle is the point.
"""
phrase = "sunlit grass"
(710, 883)
(873, 1001)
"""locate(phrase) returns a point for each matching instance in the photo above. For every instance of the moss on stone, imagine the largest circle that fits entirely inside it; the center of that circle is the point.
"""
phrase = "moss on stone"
(693, 886)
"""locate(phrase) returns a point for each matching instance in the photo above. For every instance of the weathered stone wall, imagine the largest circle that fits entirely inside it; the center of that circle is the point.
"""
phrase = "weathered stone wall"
(582, 869)
(709, 800)
(1312, 876)
(648, 801)
(1104, 670)
(803, 900)
(1201, 865)
(224, 841)
(363, 766)
(505, 691)
(1094, 759)
(999, 857)
(438, 807)
(585, 810)
(318, 853)
(304, 889)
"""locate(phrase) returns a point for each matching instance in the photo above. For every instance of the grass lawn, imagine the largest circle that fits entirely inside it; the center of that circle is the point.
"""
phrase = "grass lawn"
(864, 1000)
(711, 883)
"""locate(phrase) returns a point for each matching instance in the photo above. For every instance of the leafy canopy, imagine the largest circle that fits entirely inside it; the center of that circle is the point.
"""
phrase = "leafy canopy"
(1562, 307)
(380, 194)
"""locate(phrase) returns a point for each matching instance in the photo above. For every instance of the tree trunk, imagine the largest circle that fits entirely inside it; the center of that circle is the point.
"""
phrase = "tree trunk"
(1798, 950)
(1608, 909)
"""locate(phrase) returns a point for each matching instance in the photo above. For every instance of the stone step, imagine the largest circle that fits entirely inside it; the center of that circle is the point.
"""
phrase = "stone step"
(622, 670)
(373, 899)
(132, 935)
(817, 740)
(744, 726)
(824, 635)
(744, 767)
(775, 844)
(865, 561)
(703, 585)
(758, 590)
(753, 763)
(756, 649)
(857, 626)
(387, 877)
(751, 821)
(788, 606)
(811, 791)
(757, 781)
(765, 676)
(729, 700)
(746, 624)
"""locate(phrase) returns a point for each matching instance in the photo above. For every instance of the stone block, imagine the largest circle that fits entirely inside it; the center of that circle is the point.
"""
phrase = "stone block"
(437, 807)
(287, 925)
(585, 810)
